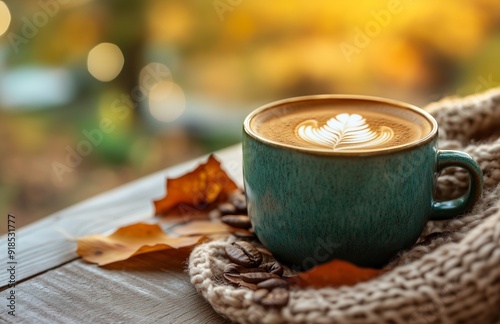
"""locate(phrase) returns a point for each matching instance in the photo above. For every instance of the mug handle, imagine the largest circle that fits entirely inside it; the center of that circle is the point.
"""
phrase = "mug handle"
(442, 210)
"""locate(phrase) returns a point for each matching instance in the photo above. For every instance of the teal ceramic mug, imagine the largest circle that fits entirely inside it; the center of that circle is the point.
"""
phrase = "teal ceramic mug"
(346, 177)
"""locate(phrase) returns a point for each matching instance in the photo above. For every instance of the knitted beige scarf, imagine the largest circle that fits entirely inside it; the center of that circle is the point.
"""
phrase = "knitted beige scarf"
(454, 279)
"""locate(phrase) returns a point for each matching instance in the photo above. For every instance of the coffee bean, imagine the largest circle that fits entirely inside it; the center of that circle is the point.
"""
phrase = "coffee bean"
(272, 283)
(278, 297)
(248, 272)
(273, 267)
(227, 209)
(236, 268)
(232, 268)
(248, 285)
(233, 278)
(239, 201)
(256, 277)
(232, 274)
(244, 254)
(244, 235)
(238, 221)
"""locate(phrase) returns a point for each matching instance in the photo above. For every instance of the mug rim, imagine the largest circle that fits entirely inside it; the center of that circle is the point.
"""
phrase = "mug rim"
(395, 103)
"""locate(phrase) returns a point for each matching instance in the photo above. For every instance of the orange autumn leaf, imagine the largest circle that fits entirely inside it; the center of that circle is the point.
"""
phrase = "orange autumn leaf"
(205, 228)
(129, 241)
(336, 273)
(207, 184)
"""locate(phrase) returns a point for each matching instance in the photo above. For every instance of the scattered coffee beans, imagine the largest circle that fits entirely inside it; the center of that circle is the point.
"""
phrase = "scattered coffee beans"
(226, 209)
(239, 201)
(248, 285)
(256, 277)
(232, 273)
(271, 290)
(274, 268)
(272, 283)
(244, 254)
(236, 204)
(244, 236)
(238, 221)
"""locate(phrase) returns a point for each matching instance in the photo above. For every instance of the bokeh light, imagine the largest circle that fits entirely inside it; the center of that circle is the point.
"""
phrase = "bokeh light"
(105, 62)
(4, 18)
(152, 74)
(166, 101)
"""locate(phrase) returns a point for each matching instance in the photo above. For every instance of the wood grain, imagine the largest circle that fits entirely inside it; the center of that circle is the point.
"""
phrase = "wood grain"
(149, 288)
(50, 242)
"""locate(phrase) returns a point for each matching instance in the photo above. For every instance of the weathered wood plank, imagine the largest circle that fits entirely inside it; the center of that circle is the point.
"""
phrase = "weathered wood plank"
(146, 289)
(48, 243)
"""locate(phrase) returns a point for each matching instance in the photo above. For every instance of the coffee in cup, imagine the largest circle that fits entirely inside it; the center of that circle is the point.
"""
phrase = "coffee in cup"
(341, 126)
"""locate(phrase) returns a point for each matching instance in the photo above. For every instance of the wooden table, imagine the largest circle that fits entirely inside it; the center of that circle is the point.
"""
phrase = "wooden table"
(54, 286)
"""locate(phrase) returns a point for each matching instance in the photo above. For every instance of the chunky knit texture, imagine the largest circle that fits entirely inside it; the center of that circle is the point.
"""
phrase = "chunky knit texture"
(454, 279)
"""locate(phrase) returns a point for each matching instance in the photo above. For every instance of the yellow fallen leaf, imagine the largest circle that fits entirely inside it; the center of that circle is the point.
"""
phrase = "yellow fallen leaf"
(129, 241)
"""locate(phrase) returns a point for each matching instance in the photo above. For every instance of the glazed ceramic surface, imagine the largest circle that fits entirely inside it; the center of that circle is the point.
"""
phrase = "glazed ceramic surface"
(308, 208)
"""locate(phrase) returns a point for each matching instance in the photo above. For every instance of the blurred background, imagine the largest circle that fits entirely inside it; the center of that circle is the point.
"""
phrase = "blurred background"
(94, 94)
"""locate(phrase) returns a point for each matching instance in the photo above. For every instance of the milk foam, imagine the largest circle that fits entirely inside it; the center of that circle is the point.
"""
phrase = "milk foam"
(344, 132)
(341, 127)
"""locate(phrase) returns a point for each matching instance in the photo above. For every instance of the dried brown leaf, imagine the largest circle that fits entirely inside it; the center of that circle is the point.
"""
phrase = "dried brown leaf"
(206, 228)
(207, 184)
(129, 241)
(334, 274)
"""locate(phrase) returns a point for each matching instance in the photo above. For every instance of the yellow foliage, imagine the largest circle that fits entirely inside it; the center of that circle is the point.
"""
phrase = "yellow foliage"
(169, 21)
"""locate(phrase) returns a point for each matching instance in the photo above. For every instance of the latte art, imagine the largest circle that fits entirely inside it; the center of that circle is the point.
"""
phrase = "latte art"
(339, 125)
(344, 132)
